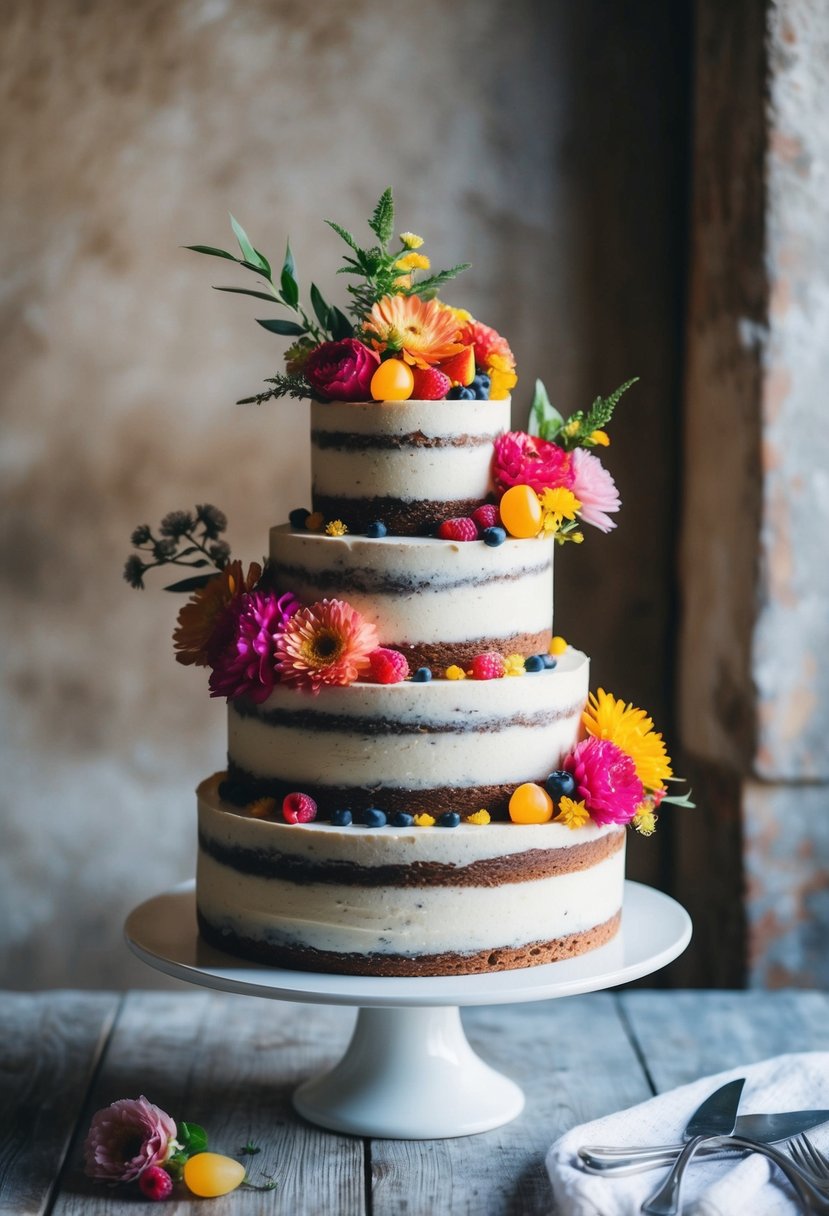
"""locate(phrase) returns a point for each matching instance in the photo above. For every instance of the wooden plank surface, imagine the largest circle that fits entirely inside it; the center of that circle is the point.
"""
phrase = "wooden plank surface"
(49, 1048)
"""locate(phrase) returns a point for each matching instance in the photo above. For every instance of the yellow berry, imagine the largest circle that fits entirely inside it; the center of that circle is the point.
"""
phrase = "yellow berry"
(424, 820)
(557, 645)
(211, 1174)
(393, 381)
(521, 512)
(530, 803)
(453, 672)
(479, 817)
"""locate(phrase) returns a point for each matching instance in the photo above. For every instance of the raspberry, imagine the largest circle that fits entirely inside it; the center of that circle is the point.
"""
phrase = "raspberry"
(430, 384)
(461, 528)
(487, 516)
(388, 666)
(298, 808)
(487, 666)
(155, 1183)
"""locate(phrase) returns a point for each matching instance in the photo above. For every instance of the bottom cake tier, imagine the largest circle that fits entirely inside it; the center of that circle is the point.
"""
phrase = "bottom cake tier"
(404, 901)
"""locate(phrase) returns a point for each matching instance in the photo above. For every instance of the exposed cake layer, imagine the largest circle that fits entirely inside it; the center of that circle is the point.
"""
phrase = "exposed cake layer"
(409, 463)
(445, 745)
(376, 898)
(438, 601)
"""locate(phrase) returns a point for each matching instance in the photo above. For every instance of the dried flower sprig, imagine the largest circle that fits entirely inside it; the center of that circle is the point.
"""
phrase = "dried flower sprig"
(184, 538)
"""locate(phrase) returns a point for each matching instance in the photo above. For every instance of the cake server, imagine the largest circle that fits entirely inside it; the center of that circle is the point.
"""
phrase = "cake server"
(762, 1128)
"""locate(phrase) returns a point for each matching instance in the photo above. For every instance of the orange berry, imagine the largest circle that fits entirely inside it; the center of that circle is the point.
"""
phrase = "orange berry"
(393, 381)
(557, 646)
(211, 1174)
(530, 803)
(521, 512)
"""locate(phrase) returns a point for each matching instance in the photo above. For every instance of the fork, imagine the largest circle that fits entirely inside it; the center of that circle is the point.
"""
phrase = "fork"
(810, 1160)
(813, 1195)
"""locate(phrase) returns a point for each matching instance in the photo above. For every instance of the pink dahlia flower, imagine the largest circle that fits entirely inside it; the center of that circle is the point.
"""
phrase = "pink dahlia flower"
(326, 643)
(342, 371)
(595, 489)
(127, 1138)
(605, 779)
(248, 666)
(522, 459)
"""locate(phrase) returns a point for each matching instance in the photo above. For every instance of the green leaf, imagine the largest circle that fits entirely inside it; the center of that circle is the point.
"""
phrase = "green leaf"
(191, 584)
(193, 1137)
(248, 252)
(288, 283)
(434, 281)
(321, 309)
(545, 420)
(382, 220)
(215, 253)
(345, 234)
(341, 327)
(244, 291)
(680, 799)
(286, 328)
(266, 266)
(601, 411)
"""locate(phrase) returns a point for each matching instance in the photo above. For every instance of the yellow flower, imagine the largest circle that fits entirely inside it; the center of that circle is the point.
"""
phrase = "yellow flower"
(645, 820)
(482, 816)
(411, 240)
(558, 504)
(413, 261)
(573, 814)
(600, 438)
(514, 665)
(335, 528)
(454, 672)
(571, 429)
(502, 377)
(424, 821)
(420, 330)
(632, 730)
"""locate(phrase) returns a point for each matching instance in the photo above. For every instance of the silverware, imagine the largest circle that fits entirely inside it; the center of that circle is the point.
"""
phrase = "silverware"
(715, 1117)
(811, 1161)
(765, 1128)
(813, 1199)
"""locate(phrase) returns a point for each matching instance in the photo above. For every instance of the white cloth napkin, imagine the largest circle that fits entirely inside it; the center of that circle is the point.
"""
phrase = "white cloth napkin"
(710, 1188)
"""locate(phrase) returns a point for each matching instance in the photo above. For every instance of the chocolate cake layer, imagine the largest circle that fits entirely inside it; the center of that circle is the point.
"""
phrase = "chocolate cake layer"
(498, 958)
(401, 517)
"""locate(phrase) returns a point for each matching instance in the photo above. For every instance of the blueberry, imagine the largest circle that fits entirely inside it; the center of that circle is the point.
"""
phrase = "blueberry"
(298, 517)
(449, 819)
(341, 818)
(534, 663)
(373, 818)
(401, 819)
(461, 394)
(422, 675)
(550, 661)
(376, 528)
(560, 784)
(494, 536)
(481, 385)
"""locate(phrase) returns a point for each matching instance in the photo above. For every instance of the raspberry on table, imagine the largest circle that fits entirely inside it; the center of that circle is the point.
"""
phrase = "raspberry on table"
(298, 808)
(460, 528)
(388, 666)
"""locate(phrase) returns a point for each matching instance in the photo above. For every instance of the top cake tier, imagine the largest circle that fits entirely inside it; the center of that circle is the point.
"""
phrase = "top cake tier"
(409, 464)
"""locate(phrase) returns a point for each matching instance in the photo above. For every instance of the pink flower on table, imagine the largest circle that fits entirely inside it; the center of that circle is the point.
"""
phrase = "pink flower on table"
(342, 371)
(127, 1138)
(606, 780)
(595, 489)
(326, 643)
(248, 665)
(522, 459)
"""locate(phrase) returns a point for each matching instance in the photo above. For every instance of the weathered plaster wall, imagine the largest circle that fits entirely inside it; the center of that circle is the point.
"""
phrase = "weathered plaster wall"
(541, 141)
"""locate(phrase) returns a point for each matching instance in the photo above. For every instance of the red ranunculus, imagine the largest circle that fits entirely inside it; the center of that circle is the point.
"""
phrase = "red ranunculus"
(342, 371)
(522, 459)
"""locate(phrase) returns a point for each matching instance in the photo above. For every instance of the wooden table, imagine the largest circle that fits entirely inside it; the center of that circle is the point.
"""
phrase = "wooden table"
(231, 1063)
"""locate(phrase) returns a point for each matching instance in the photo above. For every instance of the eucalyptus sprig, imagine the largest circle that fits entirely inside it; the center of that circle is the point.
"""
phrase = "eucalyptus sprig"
(184, 539)
(576, 431)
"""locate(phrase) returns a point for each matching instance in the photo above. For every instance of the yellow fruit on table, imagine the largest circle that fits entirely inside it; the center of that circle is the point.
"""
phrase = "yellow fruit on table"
(393, 381)
(521, 512)
(211, 1174)
(530, 803)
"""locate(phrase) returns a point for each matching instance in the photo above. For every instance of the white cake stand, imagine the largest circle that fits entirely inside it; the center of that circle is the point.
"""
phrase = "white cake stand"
(409, 1072)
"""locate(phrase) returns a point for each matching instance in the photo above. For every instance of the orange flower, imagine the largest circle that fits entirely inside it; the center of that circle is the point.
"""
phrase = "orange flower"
(326, 643)
(205, 623)
(420, 330)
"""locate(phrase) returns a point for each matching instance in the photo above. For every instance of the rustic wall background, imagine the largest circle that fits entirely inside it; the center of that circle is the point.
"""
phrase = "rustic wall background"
(543, 141)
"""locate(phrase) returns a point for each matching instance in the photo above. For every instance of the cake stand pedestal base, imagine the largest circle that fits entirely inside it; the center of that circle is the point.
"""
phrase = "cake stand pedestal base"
(409, 1072)
(421, 1056)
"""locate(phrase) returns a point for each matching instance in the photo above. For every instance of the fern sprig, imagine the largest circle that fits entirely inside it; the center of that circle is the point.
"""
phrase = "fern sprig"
(283, 386)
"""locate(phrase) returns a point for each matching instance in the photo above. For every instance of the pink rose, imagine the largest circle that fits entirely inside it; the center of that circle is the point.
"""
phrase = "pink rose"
(342, 371)
(526, 460)
(127, 1138)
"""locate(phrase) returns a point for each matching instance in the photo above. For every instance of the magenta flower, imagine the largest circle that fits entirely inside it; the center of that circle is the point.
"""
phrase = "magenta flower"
(526, 460)
(595, 489)
(605, 779)
(127, 1138)
(248, 666)
(342, 371)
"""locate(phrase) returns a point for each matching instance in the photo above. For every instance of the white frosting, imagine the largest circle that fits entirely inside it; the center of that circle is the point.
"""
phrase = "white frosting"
(417, 589)
(455, 732)
(409, 472)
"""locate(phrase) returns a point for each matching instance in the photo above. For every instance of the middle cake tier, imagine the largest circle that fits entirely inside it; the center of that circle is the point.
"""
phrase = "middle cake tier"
(439, 746)
(438, 601)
